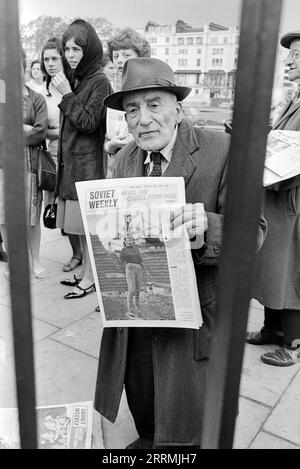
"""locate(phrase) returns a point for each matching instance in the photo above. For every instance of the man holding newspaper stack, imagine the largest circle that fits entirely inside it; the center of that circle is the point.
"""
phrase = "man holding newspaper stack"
(278, 262)
(164, 370)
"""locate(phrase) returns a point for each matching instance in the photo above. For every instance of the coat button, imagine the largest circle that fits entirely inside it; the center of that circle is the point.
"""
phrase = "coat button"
(217, 249)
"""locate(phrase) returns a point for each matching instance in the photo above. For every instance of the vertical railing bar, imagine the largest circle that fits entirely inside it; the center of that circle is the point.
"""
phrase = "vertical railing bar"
(258, 43)
(14, 183)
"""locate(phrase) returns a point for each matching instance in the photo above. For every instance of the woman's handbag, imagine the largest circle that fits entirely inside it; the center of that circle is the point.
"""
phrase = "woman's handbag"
(49, 215)
(46, 169)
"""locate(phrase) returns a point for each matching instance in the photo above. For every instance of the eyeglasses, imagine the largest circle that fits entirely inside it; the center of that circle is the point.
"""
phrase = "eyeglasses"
(293, 55)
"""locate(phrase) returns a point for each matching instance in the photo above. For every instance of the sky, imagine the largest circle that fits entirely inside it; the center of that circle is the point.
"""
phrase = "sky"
(136, 13)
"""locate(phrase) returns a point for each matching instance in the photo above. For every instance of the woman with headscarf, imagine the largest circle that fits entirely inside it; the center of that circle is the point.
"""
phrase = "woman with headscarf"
(52, 58)
(83, 124)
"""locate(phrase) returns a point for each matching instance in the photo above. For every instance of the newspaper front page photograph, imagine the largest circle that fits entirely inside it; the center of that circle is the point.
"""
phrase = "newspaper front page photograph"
(65, 426)
(144, 272)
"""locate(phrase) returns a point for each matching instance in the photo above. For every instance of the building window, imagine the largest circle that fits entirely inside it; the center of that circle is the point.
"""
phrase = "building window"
(199, 40)
(182, 62)
(217, 62)
(167, 39)
(199, 51)
(198, 62)
(166, 51)
(190, 40)
(214, 40)
(182, 51)
(180, 41)
(153, 51)
(196, 91)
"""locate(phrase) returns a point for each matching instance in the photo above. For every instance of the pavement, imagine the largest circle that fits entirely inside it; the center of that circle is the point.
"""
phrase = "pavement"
(67, 336)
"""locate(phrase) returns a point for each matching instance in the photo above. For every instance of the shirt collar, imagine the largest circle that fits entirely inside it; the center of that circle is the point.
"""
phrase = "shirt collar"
(167, 151)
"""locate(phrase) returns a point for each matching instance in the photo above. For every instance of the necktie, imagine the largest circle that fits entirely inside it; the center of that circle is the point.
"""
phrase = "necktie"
(156, 157)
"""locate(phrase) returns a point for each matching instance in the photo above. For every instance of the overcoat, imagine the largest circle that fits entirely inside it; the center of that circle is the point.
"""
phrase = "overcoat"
(82, 132)
(277, 273)
(180, 356)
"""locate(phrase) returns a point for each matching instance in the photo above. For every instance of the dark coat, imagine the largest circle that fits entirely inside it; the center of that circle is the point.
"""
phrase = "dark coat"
(82, 131)
(277, 277)
(179, 355)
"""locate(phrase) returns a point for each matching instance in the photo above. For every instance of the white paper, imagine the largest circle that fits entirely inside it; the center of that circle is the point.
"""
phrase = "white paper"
(114, 210)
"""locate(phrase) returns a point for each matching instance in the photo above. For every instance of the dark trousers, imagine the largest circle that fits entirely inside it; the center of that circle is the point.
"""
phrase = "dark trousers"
(139, 381)
(285, 320)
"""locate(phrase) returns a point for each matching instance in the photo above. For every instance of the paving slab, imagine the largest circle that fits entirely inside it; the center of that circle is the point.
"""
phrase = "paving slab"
(50, 306)
(261, 382)
(40, 331)
(58, 250)
(63, 374)
(267, 441)
(285, 418)
(84, 335)
(249, 421)
(120, 434)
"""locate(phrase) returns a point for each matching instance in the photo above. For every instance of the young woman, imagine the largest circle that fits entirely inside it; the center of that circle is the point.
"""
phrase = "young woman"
(52, 63)
(35, 127)
(80, 154)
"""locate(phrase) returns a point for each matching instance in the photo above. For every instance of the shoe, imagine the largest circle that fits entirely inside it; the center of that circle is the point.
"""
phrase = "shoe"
(265, 337)
(71, 283)
(282, 357)
(39, 273)
(130, 315)
(85, 291)
(141, 443)
(3, 256)
(97, 309)
(72, 264)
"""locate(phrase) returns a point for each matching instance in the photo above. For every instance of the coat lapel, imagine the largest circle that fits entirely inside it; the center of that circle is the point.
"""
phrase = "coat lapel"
(135, 163)
(290, 109)
(181, 163)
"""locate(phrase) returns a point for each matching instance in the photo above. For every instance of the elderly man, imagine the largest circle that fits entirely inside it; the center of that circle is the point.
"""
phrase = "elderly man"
(165, 370)
(278, 263)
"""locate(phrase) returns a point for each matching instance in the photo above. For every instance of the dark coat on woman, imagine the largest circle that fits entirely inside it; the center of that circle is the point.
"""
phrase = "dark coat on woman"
(82, 132)
(277, 276)
(180, 356)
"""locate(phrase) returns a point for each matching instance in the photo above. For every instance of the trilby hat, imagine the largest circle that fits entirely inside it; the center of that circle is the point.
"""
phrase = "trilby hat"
(145, 73)
(287, 38)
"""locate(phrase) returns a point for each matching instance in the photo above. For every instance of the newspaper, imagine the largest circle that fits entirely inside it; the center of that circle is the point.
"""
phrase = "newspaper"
(143, 270)
(282, 156)
(64, 426)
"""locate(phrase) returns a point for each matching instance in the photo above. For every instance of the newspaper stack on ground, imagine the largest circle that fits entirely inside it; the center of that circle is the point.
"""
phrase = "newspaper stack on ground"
(65, 426)
(282, 156)
(144, 272)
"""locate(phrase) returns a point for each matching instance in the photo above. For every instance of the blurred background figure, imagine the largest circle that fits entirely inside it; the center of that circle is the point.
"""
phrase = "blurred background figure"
(52, 63)
(35, 128)
(125, 45)
(109, 69)
(37, 78)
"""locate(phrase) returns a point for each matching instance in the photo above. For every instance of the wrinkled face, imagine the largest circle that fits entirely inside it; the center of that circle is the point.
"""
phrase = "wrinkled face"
(120, 57)
(152, 117)
(73, 53)
(36, 71)
(293, 61)
(52, 62)
(109, 70)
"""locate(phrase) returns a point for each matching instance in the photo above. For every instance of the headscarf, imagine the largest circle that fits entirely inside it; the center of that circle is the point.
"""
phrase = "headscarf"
(92, 53)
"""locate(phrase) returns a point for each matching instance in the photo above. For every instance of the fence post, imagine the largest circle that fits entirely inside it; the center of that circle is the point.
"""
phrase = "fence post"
(258, 44)
(14, 183)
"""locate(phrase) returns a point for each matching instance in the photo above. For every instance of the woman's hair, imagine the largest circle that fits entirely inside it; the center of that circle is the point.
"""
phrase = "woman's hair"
(128, 38)
(79, 34)
(85, 36)
(35, 61)
(55, 44)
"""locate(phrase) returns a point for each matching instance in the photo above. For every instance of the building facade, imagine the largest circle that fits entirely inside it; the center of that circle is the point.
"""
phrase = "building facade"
(203, 58)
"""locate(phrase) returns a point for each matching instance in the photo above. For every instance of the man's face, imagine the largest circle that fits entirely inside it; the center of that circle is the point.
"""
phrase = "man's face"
(293, 61)
(152, 117)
